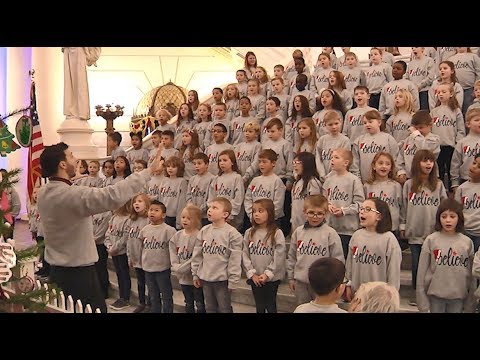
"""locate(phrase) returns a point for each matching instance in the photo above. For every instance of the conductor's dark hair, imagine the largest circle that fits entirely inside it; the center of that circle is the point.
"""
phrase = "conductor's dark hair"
(51, 157)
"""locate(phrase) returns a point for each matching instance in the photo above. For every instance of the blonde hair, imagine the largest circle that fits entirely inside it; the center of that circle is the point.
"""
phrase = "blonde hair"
(165, 111)
(376, 297)
(252, 125)
(195, 215)
(471, 114)
(409, 104)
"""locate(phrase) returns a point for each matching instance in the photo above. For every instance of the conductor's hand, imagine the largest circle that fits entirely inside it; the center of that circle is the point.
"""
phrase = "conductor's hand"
(157, 163)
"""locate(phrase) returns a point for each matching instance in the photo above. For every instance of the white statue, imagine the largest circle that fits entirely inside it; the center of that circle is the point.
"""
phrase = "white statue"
(76, 103)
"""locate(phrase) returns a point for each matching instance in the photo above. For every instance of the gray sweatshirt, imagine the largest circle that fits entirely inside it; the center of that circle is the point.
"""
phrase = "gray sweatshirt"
(408, 148)
(258, 107)
(116, 235)
(119, 151)
(319, 79)
(448, 124)
(373, 257)
(376, 76)
(189, 167)
(202, 128)
(155, 249)
(465, 151)
(325, 146)
(217, 255)
(245, 153)
(312, 307)
(100, 226)
(468, 194)
(260, 256)
(263, 128)
(365, 147)
(230, 186)
(181, 249)
(173, 194)
(389, 191)
(309, 244)
(313, 187)
(134, 241)
(90, 181)
(265, 187)
(397, 125)
(467, 68)
(153, 187)
(445, 270)
(353, 123)
(418, 211)
(198, 189)
(232, 109)
(345, 191)
(66, 215)
(353, 77)
(14, 202)
(421, 72)
(213, 151)
(475, 105)
(236, 129)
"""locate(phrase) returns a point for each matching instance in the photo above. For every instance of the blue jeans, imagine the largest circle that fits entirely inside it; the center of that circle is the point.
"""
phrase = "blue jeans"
(160, 291)
(415, 249)
(467, 100)
(140, 285)
(439, 305)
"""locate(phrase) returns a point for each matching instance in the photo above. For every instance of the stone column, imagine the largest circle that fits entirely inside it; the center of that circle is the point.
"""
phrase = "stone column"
(18, 97)
(75, 132)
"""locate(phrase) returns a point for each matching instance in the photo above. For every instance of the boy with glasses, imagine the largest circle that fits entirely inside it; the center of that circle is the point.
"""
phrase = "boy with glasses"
(310, 242)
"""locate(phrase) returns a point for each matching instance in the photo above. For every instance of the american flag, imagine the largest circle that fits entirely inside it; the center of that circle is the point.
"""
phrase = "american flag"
(36, 147)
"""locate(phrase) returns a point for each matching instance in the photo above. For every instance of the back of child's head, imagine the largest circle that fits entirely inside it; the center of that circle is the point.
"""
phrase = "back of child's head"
(376, 297)
(392, 174)
(453, 206)
(224, 203)
(274, 122)
(195, 215)
(345, 154)
(116, 137)
(135, 215)
(325, 275)
(252, 125)
(175, 161)
(421, 117)
(385, 222)
(158, 203)
(268, 154)
(125, 209)
(201, 156)
(315, 201)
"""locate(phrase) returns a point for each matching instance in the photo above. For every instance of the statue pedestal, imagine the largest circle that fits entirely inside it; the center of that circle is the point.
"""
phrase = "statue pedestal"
(77, 134)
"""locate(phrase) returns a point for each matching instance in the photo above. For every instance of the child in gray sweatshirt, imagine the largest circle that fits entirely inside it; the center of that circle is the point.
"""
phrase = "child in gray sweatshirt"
(181, 249)
(217, 257)
(444, 281)
(263, 256)
(311, 241)
(156, 258)
(374, 253)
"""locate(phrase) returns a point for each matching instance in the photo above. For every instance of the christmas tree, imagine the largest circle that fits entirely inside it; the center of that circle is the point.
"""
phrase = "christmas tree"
(31, 299)
(7, 144)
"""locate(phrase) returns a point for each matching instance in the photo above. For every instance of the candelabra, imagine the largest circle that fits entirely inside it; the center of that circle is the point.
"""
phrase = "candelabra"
(109, 113)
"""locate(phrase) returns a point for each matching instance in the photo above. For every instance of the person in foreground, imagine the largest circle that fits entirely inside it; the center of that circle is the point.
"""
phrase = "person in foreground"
(375, 297)
(327, 279)
(66, 214)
